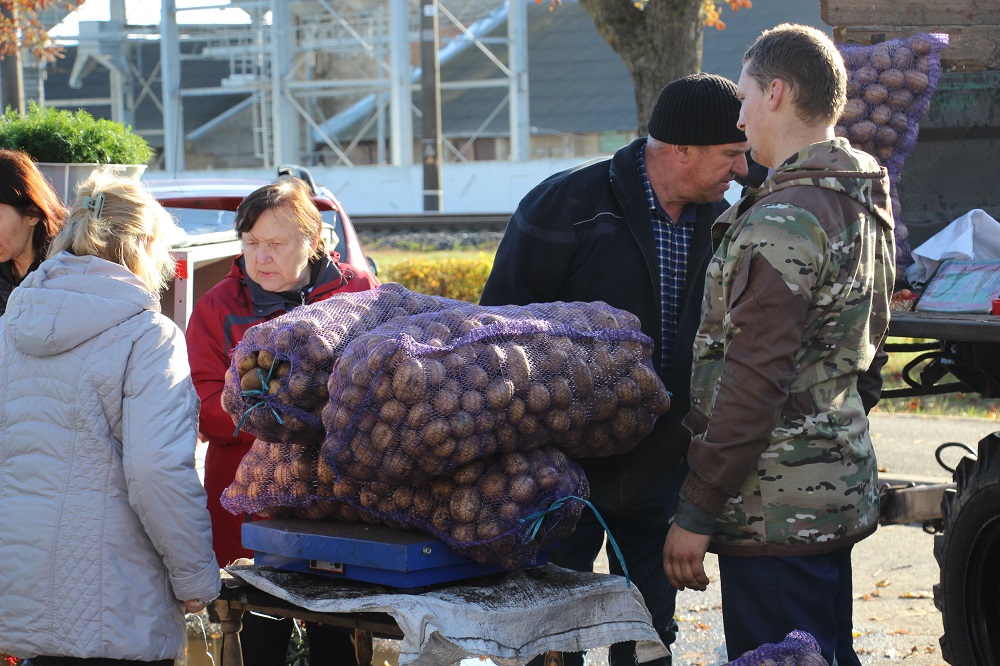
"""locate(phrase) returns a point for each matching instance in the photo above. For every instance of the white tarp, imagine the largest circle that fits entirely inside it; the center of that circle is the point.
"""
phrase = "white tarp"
(509, 620)
(975, 236)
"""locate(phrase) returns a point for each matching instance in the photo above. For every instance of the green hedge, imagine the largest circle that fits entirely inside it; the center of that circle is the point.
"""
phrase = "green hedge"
(455, 278)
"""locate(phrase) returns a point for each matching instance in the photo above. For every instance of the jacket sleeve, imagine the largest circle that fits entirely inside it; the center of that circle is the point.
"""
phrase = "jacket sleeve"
(209, 358)
(530, 264)
(767, 308)
(160, 416)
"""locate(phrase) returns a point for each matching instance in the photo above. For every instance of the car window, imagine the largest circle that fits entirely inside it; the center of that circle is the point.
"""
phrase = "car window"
(197, 221)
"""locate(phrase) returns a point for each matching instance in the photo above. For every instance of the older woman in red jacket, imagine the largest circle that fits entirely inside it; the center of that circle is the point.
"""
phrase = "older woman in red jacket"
(285, 263)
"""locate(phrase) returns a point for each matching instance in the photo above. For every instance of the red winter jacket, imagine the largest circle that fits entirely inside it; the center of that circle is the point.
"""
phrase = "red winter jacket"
(220, 319)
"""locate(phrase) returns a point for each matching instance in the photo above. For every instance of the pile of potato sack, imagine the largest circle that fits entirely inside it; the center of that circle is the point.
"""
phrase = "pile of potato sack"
(889, 87)
(421, 412)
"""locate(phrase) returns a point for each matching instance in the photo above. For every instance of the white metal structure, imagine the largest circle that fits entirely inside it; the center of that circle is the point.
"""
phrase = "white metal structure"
(297, 64)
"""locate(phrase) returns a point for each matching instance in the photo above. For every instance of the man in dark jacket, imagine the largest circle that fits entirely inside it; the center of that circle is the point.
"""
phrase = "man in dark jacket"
(633, 231)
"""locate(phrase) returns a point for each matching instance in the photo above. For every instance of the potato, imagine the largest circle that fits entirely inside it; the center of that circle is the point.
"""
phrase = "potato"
(397, 464)
(866, 75)
(420, 414)
(465, 504)
(916, 81)
(623, 423)
(880, 58)
(899, 121)
(522, 488)
(556, 420)
(251, 381)
(892, 79)
(469, 474)
(462, 424)
(436, 432)
(463, 533)
(628, 392)
(248, 363)
(854, 110)
(886, 136)
(393, 412)
(862, 132)
(901, 99)
(561, 392)
(537, 398)
(581, 377)
(265, 359)
(902, 57)
(409, 383)
(875, 93)
(499, 393)
(517, 365)
(472, 401)
(881, 114)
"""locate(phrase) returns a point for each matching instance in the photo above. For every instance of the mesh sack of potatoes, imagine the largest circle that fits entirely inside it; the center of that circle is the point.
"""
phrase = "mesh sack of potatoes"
(276, 384)
(500, 511)
(426, 394)
(889, 87)
(283, 480)
(798, 649)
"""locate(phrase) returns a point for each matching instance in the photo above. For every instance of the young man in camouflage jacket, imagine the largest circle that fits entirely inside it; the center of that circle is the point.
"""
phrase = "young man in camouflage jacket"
(783, 479)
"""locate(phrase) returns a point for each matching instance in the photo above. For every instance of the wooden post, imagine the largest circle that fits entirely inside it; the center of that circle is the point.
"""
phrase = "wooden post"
(231, 620)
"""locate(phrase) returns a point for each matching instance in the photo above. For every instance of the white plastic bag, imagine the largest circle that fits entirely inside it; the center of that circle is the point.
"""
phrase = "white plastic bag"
(974, 236)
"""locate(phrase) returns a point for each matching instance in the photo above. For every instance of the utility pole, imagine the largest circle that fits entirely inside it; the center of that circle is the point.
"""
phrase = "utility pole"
(10, 72)
(430, 140)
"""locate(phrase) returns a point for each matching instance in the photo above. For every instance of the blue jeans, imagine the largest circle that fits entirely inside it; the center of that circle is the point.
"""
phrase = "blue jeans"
(764, 598)
(637, 506)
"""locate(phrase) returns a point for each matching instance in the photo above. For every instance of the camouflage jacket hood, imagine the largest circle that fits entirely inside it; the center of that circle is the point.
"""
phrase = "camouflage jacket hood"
(796, 303)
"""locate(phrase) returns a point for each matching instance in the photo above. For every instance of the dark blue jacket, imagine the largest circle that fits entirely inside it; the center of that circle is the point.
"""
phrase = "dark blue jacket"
(585, 234)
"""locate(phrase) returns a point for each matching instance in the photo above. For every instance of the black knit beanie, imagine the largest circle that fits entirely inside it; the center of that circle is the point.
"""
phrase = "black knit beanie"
(698, 110)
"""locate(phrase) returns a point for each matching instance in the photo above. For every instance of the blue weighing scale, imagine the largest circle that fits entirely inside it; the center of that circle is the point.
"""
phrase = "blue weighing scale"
(361, 552)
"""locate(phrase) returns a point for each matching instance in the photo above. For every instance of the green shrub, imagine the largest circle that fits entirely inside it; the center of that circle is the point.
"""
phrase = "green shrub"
(461, 279)
(57, 135)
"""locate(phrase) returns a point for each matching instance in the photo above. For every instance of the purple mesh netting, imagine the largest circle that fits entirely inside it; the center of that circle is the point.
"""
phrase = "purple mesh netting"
(798, 649)
(423, 395)
(502, 511)
(276, 384)
(889, 88)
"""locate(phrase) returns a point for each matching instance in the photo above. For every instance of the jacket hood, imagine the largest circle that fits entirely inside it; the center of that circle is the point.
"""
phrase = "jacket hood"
(836, 165)
(68, 300)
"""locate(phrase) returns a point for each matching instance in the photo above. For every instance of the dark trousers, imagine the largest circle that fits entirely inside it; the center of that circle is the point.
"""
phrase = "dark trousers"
(637, 507)
(764, 598)
(265, 642)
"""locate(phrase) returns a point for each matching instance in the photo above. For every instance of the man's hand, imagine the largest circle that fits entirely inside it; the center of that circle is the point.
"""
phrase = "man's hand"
(684, 558)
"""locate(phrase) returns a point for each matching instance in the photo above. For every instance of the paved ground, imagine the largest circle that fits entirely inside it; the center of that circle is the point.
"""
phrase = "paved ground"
(894, 570)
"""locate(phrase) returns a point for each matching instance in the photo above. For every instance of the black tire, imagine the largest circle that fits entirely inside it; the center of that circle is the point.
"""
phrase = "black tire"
(968, 555)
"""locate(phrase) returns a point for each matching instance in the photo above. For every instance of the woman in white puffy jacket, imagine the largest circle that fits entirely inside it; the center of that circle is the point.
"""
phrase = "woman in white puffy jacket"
(105, 540)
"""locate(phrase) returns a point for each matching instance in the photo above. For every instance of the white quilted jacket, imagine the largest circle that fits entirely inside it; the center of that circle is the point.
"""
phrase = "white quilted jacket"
(103, 526)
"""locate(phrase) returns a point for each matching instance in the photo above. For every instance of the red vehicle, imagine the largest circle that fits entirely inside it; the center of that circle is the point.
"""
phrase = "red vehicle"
(205, 208)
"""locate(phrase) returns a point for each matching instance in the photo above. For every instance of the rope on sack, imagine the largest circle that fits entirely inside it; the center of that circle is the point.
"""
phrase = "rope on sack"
(254, 393)
(537, 518)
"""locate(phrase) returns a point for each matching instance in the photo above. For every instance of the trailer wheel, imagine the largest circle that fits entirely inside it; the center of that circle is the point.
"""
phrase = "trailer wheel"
(968, 555)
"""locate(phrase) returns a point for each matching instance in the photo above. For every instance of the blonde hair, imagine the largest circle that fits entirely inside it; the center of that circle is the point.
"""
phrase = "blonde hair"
(117, 219)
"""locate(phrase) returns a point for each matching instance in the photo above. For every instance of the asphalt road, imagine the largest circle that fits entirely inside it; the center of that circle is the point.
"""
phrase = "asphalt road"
(894, 570)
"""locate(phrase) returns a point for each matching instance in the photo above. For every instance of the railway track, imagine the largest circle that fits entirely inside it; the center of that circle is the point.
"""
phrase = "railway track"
(431, 222)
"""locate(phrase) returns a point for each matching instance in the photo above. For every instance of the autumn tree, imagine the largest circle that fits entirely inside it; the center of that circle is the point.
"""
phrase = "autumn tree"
(658, 40)
(21, 27)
